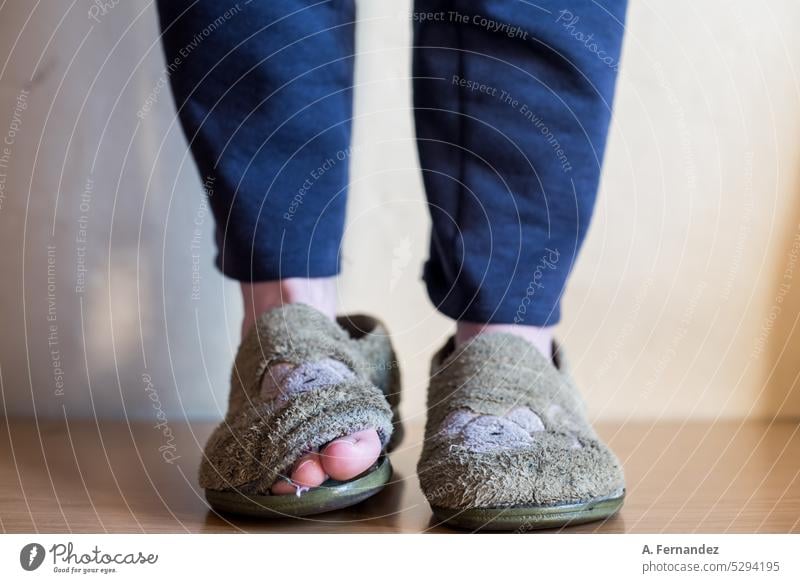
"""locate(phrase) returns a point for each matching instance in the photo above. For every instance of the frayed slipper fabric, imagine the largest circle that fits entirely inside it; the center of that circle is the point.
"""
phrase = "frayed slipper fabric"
(507, 442)
(300, 381)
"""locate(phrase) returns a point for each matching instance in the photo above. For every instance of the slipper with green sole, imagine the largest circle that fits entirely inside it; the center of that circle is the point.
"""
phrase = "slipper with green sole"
(331, 495)
(526, 518)
(507, 443)
(300, 381)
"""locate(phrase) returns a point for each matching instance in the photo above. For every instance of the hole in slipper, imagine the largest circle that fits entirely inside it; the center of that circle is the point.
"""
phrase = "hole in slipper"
(283, 381)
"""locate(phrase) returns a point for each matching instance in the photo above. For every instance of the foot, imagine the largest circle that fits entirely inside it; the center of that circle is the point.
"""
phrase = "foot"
(344, 458)
(540, 336)
(259, 297)
(310, 398)
(517, 417)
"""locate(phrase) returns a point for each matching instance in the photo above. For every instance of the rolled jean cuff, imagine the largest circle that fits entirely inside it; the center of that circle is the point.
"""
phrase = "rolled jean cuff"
(249, 265)
(529, 299)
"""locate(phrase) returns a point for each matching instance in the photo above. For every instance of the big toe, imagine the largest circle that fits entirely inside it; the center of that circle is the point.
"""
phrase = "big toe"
(347, 457)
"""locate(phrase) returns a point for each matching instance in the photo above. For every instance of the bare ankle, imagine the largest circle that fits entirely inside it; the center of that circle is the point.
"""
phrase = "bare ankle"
(540, 336)
(259, 297)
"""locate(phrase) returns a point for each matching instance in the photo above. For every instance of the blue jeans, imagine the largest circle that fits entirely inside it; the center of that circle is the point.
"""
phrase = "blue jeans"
(512, 102)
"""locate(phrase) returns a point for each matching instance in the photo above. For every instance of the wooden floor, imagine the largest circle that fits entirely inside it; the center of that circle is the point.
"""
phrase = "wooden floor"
(85, 477)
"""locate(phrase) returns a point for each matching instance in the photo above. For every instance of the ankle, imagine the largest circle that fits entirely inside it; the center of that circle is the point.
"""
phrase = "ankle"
(259, 297)
(540, 336)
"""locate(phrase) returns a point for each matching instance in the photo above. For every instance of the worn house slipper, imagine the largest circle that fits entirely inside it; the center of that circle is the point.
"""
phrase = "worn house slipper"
(299, 381)
(507, 443)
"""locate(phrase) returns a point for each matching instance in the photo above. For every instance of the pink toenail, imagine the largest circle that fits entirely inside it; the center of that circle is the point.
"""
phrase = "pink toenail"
(347, 440)
(303, 463)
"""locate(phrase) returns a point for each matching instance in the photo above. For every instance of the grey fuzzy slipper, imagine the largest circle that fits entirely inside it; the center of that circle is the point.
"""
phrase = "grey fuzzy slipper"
(507, 442)
(300, 381)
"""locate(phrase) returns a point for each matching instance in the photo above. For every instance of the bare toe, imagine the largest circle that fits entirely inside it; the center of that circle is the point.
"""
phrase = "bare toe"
(347, 457)
(306, 473)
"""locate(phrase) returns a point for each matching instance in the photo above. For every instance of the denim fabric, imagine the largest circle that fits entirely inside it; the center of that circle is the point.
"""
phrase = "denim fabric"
(512, 106)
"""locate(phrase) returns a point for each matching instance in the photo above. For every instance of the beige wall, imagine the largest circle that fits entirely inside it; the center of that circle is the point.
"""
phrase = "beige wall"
(683, 302)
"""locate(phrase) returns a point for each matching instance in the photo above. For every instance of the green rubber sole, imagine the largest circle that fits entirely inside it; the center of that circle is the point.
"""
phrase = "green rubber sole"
(332, 495)
(525, 518)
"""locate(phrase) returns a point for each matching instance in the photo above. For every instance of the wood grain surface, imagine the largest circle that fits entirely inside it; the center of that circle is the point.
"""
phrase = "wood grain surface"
(85, 476)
